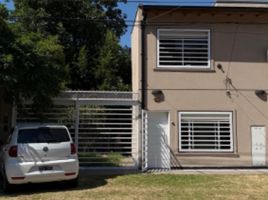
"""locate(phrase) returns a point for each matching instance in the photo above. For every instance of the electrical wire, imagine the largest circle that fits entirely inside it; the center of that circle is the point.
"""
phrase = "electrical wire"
(232, 51)
(170, 2)
(137, 23)
(159, 24)
(130, 23)
(150, 1)
(163, 14)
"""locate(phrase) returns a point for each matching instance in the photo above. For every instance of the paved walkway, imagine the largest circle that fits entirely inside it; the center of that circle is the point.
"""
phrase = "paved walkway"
(124, 171)
(211, 171)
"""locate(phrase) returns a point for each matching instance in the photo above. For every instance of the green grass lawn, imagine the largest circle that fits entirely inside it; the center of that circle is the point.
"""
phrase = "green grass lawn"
(148, 186)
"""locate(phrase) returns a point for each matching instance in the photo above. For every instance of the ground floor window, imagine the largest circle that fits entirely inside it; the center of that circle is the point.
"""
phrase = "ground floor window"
(205, 132)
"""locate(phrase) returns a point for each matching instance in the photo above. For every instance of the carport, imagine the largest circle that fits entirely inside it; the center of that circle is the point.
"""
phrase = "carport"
(105, 126)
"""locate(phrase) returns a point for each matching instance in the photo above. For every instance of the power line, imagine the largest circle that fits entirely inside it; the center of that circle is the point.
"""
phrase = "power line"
(169, 2)
(136, 23)
(187, 2)
(148, 1)
(232, 51)
(112, 20)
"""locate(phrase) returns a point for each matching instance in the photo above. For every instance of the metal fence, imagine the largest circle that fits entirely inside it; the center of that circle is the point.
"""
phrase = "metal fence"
(101, 124)
(144, 157)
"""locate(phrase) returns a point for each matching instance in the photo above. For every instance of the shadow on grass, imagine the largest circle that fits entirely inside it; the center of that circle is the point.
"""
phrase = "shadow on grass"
(86, 181)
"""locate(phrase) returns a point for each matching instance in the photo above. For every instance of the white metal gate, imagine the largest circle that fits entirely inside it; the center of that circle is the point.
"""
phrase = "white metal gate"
(144, 140)
(156, 152)
(158, 140)
(101, 124)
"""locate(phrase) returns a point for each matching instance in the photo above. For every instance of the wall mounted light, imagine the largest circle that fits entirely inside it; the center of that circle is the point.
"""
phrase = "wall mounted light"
(220, 67)
(158, 95)
(262, 94)
(229, 94)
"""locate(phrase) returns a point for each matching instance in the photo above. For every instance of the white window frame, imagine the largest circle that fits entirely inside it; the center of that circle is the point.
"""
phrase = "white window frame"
(209, 150)
(184, 66)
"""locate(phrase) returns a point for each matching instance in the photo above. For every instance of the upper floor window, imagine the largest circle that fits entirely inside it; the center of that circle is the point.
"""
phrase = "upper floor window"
(184, 48)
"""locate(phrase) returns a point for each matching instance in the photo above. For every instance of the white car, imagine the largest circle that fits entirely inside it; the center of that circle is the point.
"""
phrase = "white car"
(37, 154)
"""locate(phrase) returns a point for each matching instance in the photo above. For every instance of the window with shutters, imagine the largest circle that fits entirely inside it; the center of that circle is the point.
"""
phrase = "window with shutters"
(183, 48)
(205, 132)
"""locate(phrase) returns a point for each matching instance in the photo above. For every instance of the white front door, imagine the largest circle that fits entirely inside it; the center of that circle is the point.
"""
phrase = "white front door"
(258, 145)
(158, 140)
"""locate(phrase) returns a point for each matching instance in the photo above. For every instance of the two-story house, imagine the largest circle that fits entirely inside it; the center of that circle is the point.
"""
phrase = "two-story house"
(202, 74)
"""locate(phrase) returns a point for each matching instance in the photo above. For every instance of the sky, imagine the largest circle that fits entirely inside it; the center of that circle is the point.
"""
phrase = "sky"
(130, 10)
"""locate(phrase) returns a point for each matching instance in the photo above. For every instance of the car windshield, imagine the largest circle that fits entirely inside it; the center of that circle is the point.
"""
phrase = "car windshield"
(43, 135)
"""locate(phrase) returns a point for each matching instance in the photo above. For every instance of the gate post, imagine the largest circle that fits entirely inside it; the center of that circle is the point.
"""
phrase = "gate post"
(136, 135)
(77, 119)
(144, 142)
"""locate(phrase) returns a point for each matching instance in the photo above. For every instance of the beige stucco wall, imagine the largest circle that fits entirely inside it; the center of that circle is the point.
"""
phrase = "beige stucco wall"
(246, 66)
(136, 60)
(136, 52)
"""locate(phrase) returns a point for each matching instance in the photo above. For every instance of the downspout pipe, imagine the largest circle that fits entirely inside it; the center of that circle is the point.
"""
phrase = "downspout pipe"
(143, 71)
(143, 63)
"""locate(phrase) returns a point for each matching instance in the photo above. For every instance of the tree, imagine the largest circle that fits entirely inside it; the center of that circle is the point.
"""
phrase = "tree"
(32, 67)
(80, 26)
(46, 45)
(111, 69)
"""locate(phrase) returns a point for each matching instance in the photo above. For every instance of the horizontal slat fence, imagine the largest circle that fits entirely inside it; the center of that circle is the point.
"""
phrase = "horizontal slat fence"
(103, 133)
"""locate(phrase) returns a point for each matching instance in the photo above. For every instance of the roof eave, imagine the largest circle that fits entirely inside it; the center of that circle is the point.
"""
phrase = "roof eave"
(212, 7)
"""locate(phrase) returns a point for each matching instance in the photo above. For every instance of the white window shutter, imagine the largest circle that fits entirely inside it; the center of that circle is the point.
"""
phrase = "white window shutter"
(183, 48)
(205, 132)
